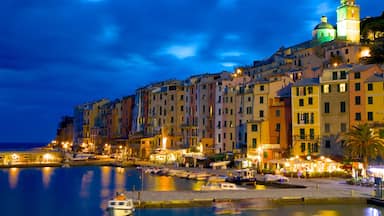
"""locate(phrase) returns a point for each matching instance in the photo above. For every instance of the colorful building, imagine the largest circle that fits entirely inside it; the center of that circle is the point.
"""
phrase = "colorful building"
(306, 117)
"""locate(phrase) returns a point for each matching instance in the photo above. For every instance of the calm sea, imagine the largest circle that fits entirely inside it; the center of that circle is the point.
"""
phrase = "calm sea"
(4, 146)
(86, 190)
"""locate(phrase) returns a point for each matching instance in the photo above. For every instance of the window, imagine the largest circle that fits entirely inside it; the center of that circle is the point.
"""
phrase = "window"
(301, 102)
(262, 88)
(343, 127)
(342, 87)
(327, 127)
(261, 100)
(326, 88)
(357, 100)
(370, 100)
(277, 113)
(346, 51)
(370, 86)
(357, 75)
(334, 75)
(326, 107)
(261, 113)
(249, 110)
(254, 127)
(342, 106)
(327, 143)
(357, 86)
(310, 90)
(302, 133)
(310, 100)
(312, 133)
(277, 127)
(343, 75)
(302, 147)
(370, 116)
(254, 143)
(358, 116)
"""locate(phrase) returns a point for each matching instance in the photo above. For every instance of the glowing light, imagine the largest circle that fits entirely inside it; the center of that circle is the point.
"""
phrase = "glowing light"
(47, 157)
(164, 143)
(15, 157)
(365, 53)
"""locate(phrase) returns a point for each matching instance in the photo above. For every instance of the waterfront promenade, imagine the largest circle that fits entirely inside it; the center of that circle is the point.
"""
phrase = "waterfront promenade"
(318, 190)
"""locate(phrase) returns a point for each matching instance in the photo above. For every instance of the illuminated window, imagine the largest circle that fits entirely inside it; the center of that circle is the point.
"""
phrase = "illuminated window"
(326, 88)
(342, 87)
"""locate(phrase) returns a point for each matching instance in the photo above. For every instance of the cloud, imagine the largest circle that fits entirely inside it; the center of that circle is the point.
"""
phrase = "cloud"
(184, 46)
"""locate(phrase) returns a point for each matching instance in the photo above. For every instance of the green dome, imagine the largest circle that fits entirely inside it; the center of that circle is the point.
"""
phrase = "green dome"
(324, 25)
(324, 32)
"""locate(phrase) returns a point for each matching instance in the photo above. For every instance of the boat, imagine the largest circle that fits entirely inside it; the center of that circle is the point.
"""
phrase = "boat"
(242, 176)
(120, 205)
(218, 186)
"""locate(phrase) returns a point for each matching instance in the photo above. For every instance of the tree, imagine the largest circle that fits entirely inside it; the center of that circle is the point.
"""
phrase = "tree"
(363, 143)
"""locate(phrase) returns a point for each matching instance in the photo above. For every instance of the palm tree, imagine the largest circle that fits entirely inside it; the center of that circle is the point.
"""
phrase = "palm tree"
(362, 143)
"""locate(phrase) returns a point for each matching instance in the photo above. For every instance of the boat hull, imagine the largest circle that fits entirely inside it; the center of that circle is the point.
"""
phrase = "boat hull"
(119, 212)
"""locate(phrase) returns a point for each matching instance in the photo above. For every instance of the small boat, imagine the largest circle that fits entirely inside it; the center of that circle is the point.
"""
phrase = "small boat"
(243, 176)
(120, 205)
(218, 186)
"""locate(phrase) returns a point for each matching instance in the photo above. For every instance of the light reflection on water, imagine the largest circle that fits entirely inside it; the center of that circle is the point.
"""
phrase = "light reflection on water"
(46, 175)
(86, 190)
(13, 177)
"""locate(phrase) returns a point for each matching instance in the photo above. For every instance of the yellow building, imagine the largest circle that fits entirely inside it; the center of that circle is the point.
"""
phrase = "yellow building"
(374, 102)
(306, 117)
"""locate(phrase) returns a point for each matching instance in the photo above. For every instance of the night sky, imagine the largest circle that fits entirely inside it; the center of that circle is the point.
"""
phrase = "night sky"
(55, 54)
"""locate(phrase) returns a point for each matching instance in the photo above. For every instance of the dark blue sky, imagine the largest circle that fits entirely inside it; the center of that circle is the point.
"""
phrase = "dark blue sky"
(55, 54)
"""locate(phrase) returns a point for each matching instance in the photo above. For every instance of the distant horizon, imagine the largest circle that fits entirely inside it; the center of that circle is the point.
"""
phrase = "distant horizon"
(10, 145)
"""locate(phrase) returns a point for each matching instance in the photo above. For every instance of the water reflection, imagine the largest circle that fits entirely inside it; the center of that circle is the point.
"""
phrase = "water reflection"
(46, 175)
(120, 179)
(372, 212)
(85, 184)
(105, 184)
(196, 186)
(13, 177)
(160, 183)
(327, 213)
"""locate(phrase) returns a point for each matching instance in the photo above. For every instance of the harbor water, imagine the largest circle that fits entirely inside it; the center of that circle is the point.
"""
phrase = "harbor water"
(85, 191)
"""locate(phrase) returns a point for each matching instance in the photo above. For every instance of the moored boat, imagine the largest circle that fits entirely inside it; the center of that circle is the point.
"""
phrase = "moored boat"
(218, 186)
(120, 205)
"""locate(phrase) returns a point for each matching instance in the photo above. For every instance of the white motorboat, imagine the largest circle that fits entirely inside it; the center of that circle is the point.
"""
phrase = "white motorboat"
(218, 186)
(120, 205)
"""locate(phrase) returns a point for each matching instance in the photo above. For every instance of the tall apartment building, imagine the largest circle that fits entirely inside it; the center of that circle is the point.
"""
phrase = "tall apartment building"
(305, 96)
(334, 108)
(85, 119)
(166, 114)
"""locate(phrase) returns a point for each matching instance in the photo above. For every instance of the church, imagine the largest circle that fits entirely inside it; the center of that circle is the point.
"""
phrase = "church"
(348, 25)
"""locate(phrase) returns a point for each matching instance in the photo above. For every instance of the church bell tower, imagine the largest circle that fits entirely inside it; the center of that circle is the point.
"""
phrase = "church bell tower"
(348, 21)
